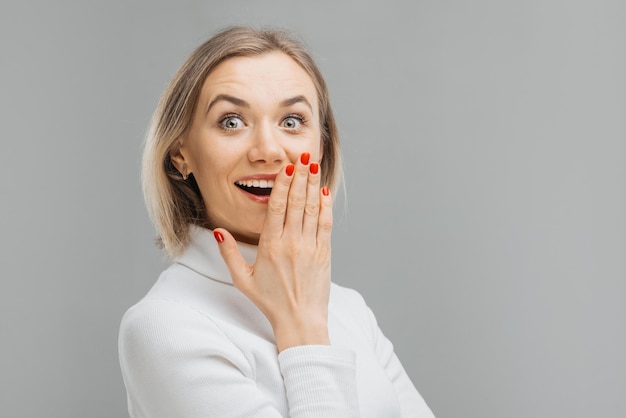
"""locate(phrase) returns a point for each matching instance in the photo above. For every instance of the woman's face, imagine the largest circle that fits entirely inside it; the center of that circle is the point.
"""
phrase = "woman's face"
(254, 116)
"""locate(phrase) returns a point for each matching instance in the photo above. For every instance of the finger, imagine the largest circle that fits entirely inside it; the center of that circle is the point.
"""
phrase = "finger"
(240, 270)
(277, 205)
(325, 221)
(297, 195)
(312, 206)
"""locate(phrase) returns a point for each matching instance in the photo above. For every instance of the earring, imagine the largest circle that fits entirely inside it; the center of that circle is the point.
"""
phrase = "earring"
(184, 173)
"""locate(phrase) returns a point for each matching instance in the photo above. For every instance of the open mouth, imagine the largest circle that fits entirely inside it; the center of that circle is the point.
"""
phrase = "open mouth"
(256, 187)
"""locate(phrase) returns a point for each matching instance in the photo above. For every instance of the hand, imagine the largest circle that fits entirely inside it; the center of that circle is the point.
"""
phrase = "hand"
(290, 279)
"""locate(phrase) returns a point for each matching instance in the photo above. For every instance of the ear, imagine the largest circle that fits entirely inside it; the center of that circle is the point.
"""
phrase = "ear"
(178, 158)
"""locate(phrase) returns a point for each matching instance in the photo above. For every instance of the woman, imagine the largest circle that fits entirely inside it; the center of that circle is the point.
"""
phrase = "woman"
(238, 173)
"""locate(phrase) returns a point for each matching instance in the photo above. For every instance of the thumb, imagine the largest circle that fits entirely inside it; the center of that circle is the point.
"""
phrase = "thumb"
(240, 270)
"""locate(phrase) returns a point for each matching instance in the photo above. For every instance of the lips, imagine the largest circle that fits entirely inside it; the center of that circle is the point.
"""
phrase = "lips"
(257, 187)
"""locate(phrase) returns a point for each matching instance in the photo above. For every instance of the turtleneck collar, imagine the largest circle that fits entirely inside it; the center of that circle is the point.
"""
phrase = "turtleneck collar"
(203, 256)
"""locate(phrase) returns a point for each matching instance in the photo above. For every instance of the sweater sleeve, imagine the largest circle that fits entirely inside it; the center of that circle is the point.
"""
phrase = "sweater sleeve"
(320, 381)
(176, 362)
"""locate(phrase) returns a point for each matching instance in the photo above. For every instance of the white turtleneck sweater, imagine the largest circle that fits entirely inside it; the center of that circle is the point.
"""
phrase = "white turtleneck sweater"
(195, 346)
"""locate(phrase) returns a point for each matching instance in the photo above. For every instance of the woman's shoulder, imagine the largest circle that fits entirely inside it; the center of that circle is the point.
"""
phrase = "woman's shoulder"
(187, 306)
(346, 295)
(183, 291)
(153, 320)
(169, 303)
(168, 329)
(348, 304)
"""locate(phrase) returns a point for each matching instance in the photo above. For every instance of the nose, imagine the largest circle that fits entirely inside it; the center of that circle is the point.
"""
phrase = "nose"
(266, 147)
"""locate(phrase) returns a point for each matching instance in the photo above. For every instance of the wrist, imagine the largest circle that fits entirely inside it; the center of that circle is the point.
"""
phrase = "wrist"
(297, 333)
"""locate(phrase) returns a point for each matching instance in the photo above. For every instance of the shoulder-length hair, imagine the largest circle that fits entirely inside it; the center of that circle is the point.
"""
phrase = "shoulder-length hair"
(174, 203)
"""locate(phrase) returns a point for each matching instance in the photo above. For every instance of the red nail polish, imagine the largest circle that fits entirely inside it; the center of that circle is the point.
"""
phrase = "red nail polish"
(218, 236)
(304, 158)
(289, 169)
(325, 191)
(314, 167)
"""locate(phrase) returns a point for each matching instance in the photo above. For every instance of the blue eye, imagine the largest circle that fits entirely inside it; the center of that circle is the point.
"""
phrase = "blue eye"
(292, 122)
(231, 122)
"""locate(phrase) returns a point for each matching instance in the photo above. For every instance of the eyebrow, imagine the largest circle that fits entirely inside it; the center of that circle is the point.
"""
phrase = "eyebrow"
(225, 97)
(294, 100)
(242, 103)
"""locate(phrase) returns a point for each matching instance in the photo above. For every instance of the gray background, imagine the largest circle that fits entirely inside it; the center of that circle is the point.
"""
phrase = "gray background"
(484, 145)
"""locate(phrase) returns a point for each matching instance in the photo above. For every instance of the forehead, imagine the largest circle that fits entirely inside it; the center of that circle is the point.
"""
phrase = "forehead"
(272, 76)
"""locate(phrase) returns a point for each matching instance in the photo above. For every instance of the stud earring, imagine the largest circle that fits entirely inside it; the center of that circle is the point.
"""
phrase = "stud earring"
(184, 173)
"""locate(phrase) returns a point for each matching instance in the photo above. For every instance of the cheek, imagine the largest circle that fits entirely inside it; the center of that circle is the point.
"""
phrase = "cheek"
(294, 152)
(208, 172)
(204, 158)
(212, 175)
(313, 146)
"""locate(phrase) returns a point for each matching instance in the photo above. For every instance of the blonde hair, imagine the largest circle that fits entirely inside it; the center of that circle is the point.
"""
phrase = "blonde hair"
(173, 202)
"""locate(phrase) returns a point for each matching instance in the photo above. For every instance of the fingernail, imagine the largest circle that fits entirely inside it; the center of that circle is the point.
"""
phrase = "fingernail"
(218, 236)
(325, 191)
(289, 169)
(304, 158)
(315, 167)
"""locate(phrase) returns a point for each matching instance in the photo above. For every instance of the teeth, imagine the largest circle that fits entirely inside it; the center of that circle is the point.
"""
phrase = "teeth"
(263, 184)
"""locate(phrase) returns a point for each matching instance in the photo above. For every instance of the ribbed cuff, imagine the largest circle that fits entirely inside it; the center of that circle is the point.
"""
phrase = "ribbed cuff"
(320, 381)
